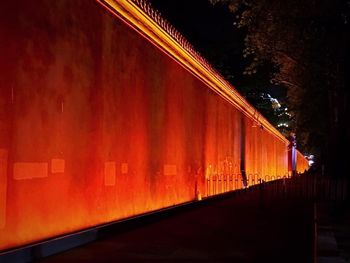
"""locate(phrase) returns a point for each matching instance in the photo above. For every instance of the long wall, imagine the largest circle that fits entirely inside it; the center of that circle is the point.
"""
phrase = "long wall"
(97, 124)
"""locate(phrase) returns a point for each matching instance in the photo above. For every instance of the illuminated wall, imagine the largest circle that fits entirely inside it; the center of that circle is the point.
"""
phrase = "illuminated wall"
(98, 124)
(302, 163)
(266, 156)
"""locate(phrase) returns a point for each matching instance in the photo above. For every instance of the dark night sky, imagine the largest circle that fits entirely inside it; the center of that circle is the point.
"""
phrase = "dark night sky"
(209, 28)
(211, 31)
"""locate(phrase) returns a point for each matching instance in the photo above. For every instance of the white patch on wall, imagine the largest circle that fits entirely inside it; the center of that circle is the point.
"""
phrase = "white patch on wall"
(169, 169)
(29, 170)
(3, 186)
(124, 168)
(110, 171)
(57, 166)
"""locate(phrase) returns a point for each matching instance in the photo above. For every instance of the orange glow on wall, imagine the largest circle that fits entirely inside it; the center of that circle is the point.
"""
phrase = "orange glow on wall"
(302, 163)
(98, 124)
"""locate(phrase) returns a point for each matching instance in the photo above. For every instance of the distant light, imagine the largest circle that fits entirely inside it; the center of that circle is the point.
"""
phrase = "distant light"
(275, 103)
(282, 125)
(310, 159)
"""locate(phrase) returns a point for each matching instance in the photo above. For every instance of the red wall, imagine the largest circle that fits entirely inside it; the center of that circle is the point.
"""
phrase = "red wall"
(302, 163)
(97, 124)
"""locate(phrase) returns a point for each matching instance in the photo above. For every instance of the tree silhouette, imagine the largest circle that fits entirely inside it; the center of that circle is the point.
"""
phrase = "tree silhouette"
(307, 42)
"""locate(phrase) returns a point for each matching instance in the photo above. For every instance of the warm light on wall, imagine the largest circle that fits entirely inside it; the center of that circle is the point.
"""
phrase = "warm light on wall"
(135, 17)
(98, 124)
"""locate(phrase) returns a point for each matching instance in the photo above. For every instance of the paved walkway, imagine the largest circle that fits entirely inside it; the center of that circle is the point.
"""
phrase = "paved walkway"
(333, 233)
(237, 228)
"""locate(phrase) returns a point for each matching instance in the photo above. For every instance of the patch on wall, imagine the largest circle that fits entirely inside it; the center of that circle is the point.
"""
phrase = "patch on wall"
(169, 169)
(57, 166)
(29, 170)
(109, 173)
(124, 168)
(3, 186)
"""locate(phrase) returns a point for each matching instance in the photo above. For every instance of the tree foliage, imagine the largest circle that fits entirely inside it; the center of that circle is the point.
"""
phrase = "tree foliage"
(307, 42)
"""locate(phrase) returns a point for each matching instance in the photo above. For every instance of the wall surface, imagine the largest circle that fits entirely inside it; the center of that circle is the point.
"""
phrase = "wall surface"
(97, 124)
(302, 163)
